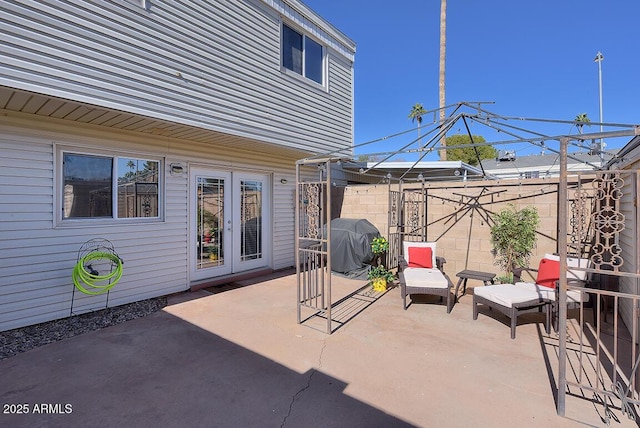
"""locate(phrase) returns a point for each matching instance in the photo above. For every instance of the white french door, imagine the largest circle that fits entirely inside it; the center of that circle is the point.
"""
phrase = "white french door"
(230, 227)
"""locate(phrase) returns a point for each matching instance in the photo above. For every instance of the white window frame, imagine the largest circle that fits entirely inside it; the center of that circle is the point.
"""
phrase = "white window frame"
(59, 218)
(302, 75)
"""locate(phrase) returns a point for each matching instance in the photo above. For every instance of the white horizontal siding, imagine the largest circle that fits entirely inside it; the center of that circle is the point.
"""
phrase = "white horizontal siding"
(283, 231)
(629, 242)
(214, 65)
(37, 259)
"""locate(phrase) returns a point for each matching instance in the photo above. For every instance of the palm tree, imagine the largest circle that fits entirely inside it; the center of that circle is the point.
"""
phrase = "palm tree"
(581, 120)
(416, 115)
(443, 51)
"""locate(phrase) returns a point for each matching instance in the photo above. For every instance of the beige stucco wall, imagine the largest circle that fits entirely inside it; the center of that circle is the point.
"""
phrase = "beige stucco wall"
(458, 216)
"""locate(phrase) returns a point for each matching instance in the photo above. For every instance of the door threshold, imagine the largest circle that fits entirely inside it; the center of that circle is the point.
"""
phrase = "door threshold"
(225, 279)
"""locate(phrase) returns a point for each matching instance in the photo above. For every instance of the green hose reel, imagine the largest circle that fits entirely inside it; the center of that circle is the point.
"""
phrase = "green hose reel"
(89, 280)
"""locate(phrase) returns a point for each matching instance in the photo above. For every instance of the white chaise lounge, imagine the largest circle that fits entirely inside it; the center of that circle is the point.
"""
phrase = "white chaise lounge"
(511, 300)
(548, 273)
(421, 272)
(541, 295)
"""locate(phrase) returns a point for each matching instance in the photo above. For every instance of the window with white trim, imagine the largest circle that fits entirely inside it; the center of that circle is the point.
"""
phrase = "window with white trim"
(302, 55)
(102, 186)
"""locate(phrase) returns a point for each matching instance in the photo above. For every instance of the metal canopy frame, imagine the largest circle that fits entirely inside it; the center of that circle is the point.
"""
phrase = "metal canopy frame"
(313, 204)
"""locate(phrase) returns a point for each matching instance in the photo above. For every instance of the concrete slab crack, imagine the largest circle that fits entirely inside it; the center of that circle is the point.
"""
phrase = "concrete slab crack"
(307, 386)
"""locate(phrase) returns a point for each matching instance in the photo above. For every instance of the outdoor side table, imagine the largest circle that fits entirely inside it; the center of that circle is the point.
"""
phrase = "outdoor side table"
(464, 275)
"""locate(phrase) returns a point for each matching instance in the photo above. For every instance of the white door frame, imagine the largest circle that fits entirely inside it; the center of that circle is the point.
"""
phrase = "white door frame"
(231, 231)
(263, 221)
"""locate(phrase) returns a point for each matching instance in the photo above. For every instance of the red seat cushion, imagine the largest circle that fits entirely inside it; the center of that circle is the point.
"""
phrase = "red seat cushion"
(548, 273)
(421, 257)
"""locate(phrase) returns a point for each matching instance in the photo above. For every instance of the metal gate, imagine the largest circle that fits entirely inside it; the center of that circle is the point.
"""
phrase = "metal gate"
(313, 264)
(599, 355)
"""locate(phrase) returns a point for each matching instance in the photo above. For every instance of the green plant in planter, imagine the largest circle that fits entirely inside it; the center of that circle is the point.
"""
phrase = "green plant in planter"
(380, 277)
(379, 245)
(381, 272)
(513, 236)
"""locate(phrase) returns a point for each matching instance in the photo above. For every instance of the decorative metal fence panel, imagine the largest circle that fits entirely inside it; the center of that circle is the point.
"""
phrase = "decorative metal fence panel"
(602, 355)
(313, 266)
(407, 220)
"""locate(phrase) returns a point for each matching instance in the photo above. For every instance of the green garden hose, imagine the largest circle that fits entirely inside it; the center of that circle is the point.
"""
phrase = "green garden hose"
(82, 277)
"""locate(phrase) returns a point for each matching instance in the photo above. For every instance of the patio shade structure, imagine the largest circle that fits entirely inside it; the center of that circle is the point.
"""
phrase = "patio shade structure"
(317, 177)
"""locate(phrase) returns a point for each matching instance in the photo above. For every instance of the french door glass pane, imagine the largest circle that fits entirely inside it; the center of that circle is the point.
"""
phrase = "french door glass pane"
(210, 222)
(250, 220)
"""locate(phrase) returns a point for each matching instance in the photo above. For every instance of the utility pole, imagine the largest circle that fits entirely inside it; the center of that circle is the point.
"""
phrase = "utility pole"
(441, 86)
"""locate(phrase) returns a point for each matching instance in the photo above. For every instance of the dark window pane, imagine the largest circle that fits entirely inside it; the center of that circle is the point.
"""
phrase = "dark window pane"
(87, 184)
(313, 60)
(137, 188)
(291, 49)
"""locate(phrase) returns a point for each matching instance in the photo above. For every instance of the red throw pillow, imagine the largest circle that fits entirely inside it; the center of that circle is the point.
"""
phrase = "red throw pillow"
(548, 273)
(421, 257)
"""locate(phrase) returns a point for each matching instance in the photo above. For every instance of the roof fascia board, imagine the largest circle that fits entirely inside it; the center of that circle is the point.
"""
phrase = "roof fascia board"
(315, 25)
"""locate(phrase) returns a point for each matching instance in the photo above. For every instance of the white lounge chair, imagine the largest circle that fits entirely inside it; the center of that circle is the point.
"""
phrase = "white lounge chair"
(511, 300)
(421, 271)
(548, 290)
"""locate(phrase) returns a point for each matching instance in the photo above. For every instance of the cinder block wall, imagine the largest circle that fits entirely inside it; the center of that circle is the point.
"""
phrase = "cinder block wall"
(458, 216)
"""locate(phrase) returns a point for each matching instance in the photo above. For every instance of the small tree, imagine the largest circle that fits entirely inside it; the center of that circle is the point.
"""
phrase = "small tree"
(469, 155)
(513, 236)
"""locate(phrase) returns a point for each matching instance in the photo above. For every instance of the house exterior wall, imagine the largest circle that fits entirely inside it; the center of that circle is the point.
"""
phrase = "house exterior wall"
(542, 171)
(630, 237)
(37, 255)
(212, 65)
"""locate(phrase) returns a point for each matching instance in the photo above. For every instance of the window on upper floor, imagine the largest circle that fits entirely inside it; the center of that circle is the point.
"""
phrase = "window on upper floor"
(302, 55)
(532, 174)
(99, 186)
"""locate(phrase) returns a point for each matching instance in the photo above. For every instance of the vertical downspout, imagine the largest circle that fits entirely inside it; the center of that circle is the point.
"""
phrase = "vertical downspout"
(562, 251)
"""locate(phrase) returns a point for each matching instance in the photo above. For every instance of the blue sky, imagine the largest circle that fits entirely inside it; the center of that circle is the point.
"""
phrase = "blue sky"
(531, 59)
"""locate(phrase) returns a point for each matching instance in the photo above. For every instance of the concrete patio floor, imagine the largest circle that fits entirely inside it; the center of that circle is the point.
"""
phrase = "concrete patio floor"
(239, 359)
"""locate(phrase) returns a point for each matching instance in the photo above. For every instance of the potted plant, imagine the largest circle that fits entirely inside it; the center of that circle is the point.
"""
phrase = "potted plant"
(513, 236)
(379, 247)
(380, 277)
